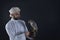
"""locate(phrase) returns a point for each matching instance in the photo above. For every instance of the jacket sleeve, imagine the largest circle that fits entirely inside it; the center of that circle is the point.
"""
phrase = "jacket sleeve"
(25, 27)
(9, 29)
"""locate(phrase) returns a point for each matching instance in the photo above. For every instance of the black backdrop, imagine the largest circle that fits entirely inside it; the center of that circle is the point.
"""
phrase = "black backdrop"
(44, 12)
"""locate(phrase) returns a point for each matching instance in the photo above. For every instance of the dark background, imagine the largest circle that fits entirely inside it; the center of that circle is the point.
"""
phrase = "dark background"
(44, 12)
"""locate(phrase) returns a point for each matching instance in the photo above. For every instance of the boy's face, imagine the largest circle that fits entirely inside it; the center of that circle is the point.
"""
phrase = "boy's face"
(16, 15)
